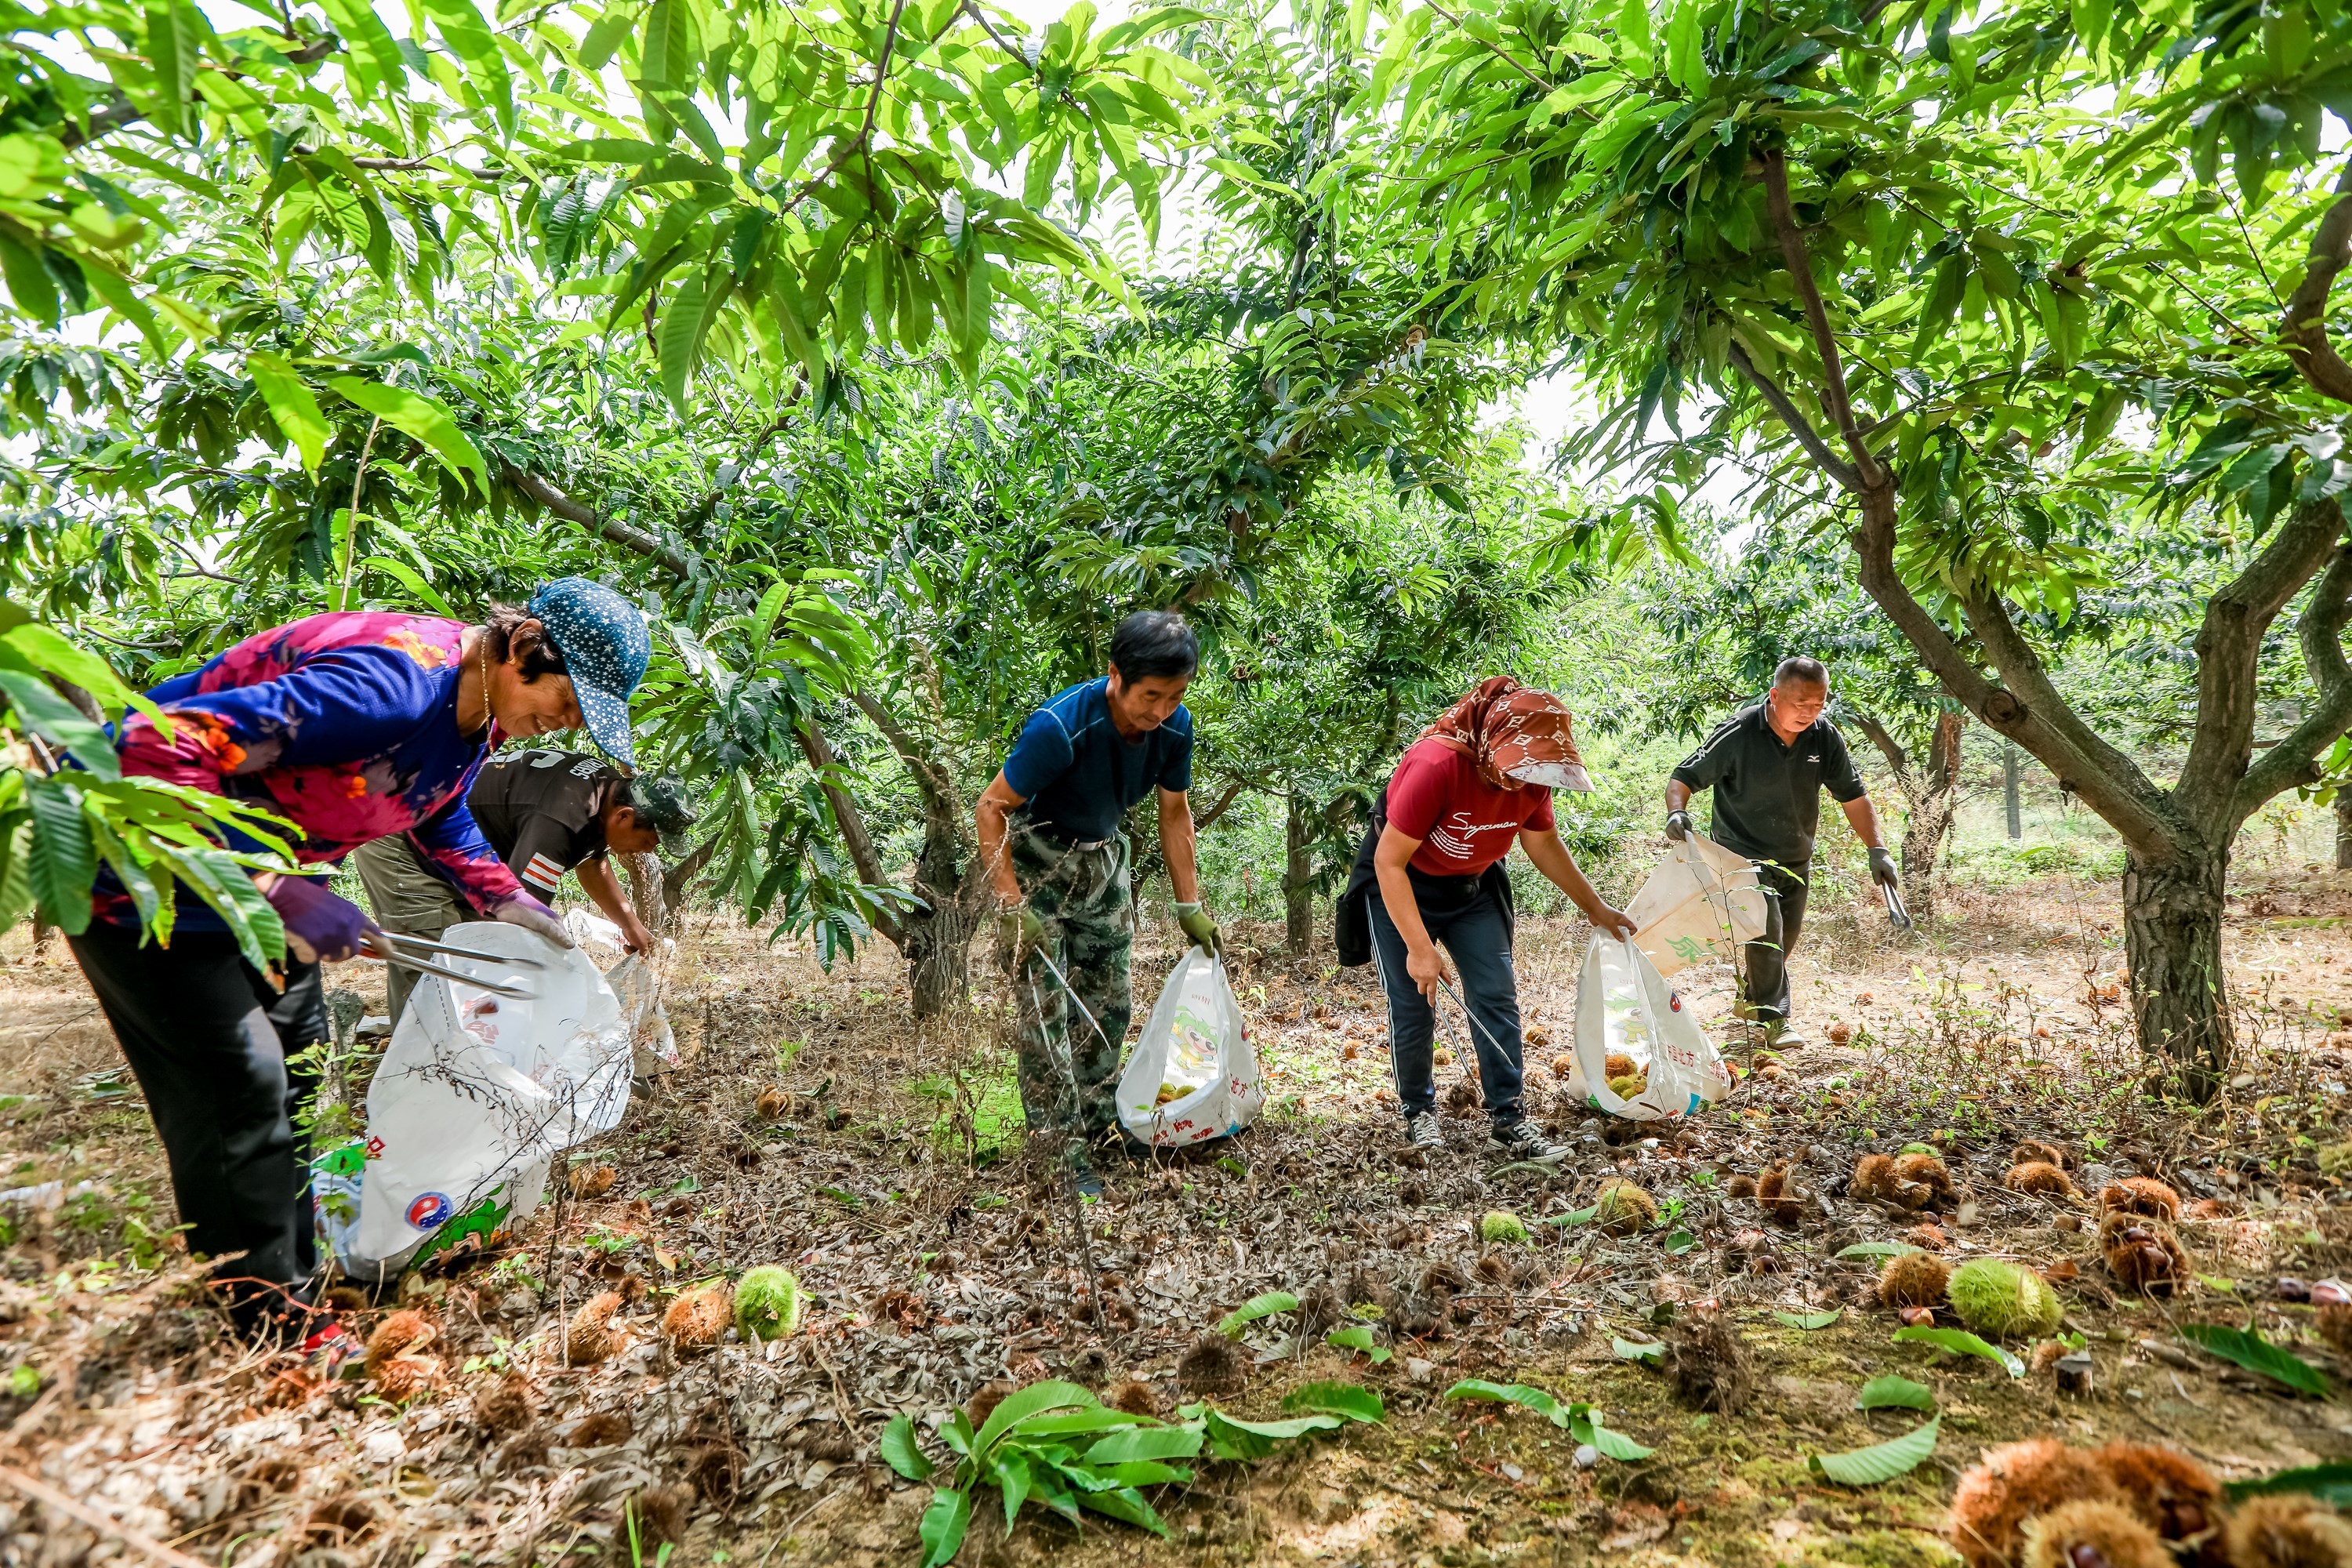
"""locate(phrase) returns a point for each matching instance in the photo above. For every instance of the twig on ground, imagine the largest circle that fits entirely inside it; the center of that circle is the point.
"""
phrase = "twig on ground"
(146, 1546)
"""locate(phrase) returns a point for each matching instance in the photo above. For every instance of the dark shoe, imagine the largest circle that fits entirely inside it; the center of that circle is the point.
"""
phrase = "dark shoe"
(1420, 1132)
(1522, 1141)
(1119, 1143)
(1083, 1177)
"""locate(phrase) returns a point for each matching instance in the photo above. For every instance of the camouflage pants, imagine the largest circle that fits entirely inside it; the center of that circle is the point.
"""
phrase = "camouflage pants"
(1067, 1072)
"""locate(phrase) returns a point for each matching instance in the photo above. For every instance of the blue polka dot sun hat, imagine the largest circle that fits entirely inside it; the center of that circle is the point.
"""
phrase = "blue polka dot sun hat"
(605, 644)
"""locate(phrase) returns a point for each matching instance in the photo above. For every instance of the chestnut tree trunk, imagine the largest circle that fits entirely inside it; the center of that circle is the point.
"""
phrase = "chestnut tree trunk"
(2175, 839)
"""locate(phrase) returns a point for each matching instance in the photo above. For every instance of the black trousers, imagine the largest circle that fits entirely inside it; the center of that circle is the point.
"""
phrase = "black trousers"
(1766, 991)
(209, 1040)
(1478, 936)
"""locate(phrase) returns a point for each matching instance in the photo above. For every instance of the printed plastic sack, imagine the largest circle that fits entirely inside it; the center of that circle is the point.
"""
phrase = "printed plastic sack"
(653, 1047)
(1698, 903)
(1624, 1006)
(1194, 1073)
(478, 1094)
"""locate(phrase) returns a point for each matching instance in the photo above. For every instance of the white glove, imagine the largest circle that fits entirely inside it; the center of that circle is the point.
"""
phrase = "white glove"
(534, 916)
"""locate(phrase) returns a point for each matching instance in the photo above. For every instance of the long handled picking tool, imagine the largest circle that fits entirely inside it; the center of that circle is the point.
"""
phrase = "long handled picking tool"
(398, 949)
(1896, 915)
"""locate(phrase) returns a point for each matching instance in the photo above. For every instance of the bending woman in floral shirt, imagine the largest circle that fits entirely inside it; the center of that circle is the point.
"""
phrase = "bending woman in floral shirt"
(351, 726)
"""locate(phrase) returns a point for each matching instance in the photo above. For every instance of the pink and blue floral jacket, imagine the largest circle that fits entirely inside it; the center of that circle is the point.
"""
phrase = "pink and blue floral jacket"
(346, 724)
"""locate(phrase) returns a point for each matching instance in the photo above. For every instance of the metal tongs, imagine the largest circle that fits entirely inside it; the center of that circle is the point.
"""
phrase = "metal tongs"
(1896, 915)
(402, 950)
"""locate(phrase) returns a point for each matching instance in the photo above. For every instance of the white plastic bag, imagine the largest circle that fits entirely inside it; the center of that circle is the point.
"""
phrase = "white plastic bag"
(600, 936)
(637, 988)
(478, 1094)
(1623, 1005)
(1195, 1074)
(1700, 900)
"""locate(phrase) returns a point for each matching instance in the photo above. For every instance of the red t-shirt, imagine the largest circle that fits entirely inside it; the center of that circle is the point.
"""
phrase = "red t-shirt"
(1463, 823)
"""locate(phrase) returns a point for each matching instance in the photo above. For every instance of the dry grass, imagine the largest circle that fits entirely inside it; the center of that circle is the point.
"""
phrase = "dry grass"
(943, 1258)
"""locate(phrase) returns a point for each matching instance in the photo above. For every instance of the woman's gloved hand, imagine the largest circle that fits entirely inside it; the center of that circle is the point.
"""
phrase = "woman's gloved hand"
(533, 915)
(320, 928)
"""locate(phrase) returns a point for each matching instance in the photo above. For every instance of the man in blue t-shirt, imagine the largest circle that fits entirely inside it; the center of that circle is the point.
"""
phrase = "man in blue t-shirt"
(1049, 834)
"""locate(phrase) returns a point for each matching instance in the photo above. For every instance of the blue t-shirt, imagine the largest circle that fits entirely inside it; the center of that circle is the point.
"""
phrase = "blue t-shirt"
(1079, 774)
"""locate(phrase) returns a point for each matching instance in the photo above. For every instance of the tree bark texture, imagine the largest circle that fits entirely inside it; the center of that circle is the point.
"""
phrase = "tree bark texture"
(1931, 791)
(1928, 824)
(1297, 876)
(2012, 807)
(937, 937)
(647, 889)
(2172, 939)
(2344, 830)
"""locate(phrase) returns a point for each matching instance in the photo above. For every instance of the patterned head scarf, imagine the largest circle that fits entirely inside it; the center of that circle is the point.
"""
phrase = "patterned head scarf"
(1512, 729)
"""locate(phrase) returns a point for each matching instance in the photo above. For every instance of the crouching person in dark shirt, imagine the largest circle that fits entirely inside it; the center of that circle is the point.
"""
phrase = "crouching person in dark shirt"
(1049, 834)
(545, 812)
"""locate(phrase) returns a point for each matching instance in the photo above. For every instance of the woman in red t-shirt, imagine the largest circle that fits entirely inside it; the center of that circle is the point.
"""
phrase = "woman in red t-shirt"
(1476, 781)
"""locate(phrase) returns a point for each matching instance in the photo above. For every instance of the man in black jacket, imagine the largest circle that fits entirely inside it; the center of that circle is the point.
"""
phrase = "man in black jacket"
(1767, 765)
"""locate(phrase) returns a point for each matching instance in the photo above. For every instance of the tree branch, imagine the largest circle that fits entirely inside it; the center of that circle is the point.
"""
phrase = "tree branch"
(2292, 761)
(851, 822)
(933, 780)
(699, 514)
(120, 112)
(2110, 783)
(2229, 646)
(2025, 705)
(1233, 792)
(1493, 48)
(1892, 750)
(2303, 327)
(545, 494)
(1837, 467)
(873, 101)
(677, 878)
(1868, 474)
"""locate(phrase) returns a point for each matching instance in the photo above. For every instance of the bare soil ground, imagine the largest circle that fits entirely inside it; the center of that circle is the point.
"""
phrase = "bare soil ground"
(943, 1257)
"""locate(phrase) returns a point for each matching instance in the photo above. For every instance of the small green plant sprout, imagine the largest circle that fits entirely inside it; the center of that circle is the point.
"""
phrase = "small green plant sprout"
(1357, 1339)
(1500, 1226)
(636, 1544)
(1057, 1445)
(1580, 1421)
(768, 1302)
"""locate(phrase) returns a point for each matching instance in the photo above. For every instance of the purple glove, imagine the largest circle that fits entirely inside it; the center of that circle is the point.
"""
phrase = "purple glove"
(528, 912)
(320, 927)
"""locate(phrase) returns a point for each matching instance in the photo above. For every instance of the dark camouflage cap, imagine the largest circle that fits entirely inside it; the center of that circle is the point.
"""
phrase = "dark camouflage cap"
(664, 805)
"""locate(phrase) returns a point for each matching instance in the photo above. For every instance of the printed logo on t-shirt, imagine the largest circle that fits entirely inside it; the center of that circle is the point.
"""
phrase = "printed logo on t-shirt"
(1455, 836)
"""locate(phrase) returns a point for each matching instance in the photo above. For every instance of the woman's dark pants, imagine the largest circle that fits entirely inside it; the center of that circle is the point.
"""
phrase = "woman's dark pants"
(209, 1040)
(1477, 936)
